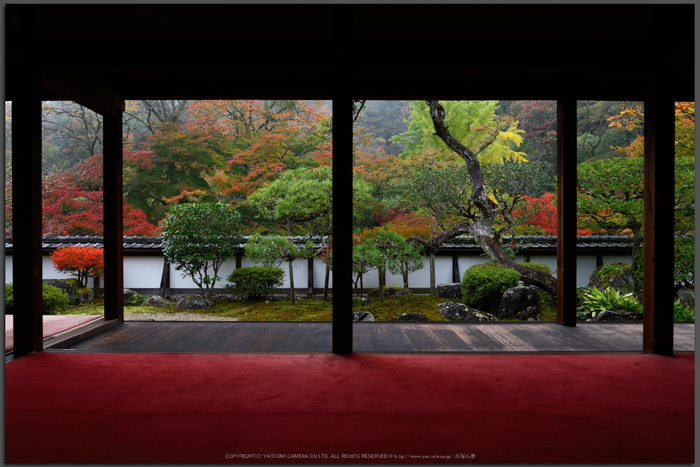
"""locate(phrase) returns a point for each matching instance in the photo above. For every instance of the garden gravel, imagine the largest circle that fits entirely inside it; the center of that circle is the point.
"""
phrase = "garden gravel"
(184, 316)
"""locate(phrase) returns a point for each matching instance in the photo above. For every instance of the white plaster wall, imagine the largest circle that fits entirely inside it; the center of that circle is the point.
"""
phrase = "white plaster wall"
(615, 259)
(585, 265)
(550, 261)
(49, 272)
(419, 277)
(320, 274)
(8, 269)
(143, 272)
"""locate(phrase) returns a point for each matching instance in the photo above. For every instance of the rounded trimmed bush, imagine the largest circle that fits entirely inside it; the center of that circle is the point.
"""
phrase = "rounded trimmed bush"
(9, 302)
(255, 282)
(53, 299)
(483, 285)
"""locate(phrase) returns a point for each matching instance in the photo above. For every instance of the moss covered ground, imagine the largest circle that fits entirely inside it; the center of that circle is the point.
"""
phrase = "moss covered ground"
(304, 310)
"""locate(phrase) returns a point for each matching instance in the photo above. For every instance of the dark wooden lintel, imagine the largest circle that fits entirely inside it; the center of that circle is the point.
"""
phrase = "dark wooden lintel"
(84, 90)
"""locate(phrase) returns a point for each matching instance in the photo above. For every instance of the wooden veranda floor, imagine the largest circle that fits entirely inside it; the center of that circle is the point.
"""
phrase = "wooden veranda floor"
(244, 337)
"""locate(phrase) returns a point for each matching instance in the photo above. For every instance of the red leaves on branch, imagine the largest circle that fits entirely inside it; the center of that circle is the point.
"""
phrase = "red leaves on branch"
(541, 217)
(82, 262)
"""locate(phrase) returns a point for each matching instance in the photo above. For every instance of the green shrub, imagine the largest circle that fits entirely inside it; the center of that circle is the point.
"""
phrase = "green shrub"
(683, 264)
(53, 300)
(136, 300)
(9, 302)
(682, 313)
(538, 267)
(255, 282)
(483, 285)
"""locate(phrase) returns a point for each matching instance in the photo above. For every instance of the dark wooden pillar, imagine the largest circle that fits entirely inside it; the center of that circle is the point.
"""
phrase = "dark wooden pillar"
(310, 275)
(659, 132)
(26, 213)
(455, 268)
(113, 217)
(342, 181)
(566, 212)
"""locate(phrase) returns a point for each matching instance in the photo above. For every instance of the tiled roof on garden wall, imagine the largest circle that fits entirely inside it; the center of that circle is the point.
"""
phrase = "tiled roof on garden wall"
(459, 244)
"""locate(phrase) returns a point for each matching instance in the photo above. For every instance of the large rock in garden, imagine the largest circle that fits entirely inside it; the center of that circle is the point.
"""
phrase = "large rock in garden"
(358, 315)
(618, 276)
(71, 288)
(157, 300)
(687, 297)
(449, 290)
(389, 291)
(607, 315)
(530, 313)
(194, 304)
(129, 295)
(460, 312)
(517, 300)
(412, 317)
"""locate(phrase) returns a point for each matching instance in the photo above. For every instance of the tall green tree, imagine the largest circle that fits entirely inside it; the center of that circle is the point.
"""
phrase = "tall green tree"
(175, 171)
(272, 250)
(472, 123)
(200, 236)
(611, 194)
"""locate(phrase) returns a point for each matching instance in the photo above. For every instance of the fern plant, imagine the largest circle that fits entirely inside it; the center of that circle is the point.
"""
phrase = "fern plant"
(593, 301)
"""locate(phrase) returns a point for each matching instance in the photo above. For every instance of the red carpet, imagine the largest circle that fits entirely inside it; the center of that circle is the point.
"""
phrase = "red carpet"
(72, 408)
(53, 324)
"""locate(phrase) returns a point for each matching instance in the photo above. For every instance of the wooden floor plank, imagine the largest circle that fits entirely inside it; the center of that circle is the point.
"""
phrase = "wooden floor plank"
(234, 337)
(278, 336)
(312, 337)
(196, 338)
(607, 338)
(114, 338)
(545, 338)
(427, 338)
(160, 336)
(506, 339)
(477, 340)
(361, 341)
(389, 338)
(377, 337)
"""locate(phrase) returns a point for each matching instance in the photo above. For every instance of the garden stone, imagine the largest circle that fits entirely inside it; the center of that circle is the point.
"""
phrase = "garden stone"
(516, 300)
(459, 312)
(412, 317)
(624, 281)
(687, 297)
(194, 304)
(129, 295)
(452, 311)
(358, 315)
(157, 300)
(389, 291)
(530, 313)
(84, 296)
(449, 290)
(607, 315)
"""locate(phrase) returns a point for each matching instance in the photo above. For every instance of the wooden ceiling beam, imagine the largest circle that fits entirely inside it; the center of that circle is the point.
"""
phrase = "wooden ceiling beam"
(83, 90)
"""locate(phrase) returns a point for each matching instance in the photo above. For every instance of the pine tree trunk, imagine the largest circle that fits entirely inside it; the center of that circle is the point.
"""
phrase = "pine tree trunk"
(381, 287)
(481, 229)
(432, 272)
(291, 281)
